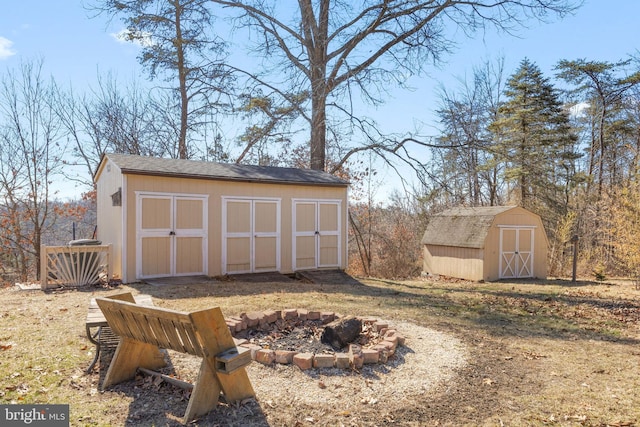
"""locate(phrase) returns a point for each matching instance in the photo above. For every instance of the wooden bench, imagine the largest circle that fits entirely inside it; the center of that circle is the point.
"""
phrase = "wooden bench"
(145, 330)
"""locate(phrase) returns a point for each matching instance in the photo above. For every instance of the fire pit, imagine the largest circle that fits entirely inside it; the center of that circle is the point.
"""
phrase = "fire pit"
(295, 336)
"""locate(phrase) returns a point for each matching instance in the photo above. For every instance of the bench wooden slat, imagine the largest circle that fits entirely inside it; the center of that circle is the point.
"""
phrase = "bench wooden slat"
(128, 325)
(188, 336)
(154, 332)
(172, 331)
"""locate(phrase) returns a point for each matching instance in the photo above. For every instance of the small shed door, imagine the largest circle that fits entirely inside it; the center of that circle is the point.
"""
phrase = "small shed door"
(316, 234)
(516, 252)
(171, 235)
(251, 241)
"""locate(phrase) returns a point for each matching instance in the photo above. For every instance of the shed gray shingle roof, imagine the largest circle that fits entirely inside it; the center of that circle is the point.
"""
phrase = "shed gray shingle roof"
(462, 227)
(131, 164)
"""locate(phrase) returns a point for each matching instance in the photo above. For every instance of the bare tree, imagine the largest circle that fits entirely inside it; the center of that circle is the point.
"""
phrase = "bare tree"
(469, 172)
(31, 156)
(339, 51)
(178, 44)
(116, 117)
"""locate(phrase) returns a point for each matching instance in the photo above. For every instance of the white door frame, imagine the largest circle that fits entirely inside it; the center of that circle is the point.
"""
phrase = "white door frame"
(316, 233)
(173, 232)
(521, 261)
(251, 234)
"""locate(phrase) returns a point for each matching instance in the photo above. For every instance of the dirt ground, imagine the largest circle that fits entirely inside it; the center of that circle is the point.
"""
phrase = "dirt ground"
(536, 353)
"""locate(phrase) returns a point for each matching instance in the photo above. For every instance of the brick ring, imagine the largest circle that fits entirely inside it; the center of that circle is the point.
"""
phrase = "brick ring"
(354, 358)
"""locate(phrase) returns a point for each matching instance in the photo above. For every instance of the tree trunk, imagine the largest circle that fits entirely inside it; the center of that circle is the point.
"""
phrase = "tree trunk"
(316, 42)
(318, 131)
(182, 77)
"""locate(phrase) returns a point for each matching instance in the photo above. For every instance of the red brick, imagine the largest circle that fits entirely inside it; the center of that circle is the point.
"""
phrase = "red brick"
(303, 361)
(390, 346)
(254, 349)
(380, 325)
(290, 314)
(231, 325)
(370, 356)
(253, 318)
(396, 337)
(303, 314)
(393, 339)
(285, 357)
(313, 315)
(383, 353)
(327, 317)
(270, 316)
(342, 361)
(237, 324)
(266, 357)
(324, 361)
(355, 356)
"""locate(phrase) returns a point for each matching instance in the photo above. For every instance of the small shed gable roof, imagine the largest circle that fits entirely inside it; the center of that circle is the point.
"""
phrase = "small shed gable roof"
(141, 165)
(462, 227)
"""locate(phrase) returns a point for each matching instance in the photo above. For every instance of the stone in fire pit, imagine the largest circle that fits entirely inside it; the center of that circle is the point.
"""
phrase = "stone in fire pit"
(293, 336)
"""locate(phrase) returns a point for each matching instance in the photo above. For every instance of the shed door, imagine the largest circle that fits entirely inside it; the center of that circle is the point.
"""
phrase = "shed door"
(172, 235)
(516, 252)
(316, 234)
(251, 240)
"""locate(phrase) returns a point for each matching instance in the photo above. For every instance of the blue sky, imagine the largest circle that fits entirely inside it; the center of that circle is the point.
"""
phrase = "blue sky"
(75, 47)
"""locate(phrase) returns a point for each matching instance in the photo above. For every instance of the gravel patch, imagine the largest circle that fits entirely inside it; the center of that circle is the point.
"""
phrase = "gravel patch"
(427, 359)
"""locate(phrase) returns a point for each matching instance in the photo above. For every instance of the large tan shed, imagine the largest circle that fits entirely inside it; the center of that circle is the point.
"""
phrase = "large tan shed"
(486, 243)
(170, 217)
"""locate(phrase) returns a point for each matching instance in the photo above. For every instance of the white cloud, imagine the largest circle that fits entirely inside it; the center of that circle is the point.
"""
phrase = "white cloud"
(5, 48)
(127, 36)
(578, 109)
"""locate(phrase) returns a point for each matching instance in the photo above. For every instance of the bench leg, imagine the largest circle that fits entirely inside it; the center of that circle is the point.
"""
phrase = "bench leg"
(236, 386)
(95, 359)
(92, 338)
(128, 357)
(205, 394)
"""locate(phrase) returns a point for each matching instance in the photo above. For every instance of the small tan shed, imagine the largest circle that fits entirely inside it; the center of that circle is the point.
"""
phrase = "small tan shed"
(486, 243)
(171, 217)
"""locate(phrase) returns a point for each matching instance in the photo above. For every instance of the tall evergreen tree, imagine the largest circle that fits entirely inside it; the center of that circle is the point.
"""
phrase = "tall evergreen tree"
(533, 139)
(604, 87)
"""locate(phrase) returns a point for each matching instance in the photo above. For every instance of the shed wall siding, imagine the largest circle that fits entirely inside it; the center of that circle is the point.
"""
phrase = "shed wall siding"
(464, 263)
(109, 221)
(216, 190)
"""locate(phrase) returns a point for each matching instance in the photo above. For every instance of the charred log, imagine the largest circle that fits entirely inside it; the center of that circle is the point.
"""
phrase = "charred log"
(341, 332)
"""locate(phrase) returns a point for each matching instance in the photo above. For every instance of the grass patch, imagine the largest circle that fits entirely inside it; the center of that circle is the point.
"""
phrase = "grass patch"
(541, 353)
